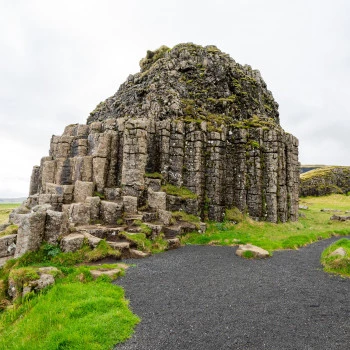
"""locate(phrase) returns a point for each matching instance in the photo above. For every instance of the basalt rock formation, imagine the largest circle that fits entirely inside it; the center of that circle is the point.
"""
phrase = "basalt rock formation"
(193, 131)
(324, 181)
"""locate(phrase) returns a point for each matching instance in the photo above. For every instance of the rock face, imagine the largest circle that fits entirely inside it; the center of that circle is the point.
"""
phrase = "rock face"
(324, 181)
(194, 131)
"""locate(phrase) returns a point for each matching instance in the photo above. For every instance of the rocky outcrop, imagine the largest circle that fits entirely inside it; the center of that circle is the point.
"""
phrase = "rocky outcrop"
(194, 131)
(324, 181)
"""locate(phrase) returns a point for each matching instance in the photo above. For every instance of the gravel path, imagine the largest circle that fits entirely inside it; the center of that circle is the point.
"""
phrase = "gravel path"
(203, 297)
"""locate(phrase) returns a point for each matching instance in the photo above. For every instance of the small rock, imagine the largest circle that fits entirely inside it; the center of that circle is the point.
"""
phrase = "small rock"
(303, 207)
(138, 254)
(174, 243)
(340, 251)
(339, 218)
(257, 252)
(113, 273)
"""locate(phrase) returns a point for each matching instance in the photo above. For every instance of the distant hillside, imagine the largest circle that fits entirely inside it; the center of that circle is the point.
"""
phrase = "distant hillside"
(12, 200)
(325, 180)
(305, 168)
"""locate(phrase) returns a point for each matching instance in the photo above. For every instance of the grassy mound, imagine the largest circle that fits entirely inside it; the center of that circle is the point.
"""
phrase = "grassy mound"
(337, 264)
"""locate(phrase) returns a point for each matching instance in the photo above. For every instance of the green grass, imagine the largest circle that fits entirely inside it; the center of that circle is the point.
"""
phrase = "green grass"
(9, 230)
(5, 210)
(156, 245)
(337, 264)
(92, 315)
(76, 313)
(179, 191)
(291, 235)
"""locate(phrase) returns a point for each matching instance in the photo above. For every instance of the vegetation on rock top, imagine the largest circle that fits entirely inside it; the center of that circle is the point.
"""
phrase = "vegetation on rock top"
(190, 82)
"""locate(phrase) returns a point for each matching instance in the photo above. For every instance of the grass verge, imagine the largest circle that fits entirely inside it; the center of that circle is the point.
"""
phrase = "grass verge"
(337, 264)
(77, 312)
(314, 226)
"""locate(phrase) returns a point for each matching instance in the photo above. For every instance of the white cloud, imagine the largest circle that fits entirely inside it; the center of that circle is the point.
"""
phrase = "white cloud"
(58, 59)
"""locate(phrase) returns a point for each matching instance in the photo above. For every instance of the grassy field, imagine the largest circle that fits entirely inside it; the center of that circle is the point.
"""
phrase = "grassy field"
(314, 226)
(5, 210)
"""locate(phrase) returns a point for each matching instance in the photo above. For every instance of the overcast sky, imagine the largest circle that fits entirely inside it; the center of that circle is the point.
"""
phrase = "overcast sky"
(59, 59)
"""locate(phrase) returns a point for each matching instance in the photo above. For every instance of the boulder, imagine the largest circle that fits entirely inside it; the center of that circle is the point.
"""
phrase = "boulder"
(338, 252)
(257, 252)
(72, 242)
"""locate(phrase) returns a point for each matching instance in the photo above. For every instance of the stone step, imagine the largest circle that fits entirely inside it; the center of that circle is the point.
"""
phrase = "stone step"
(172, 231)
(149, 216)
(156, 228)
(130, 219)
(122, 245)
(103, 232)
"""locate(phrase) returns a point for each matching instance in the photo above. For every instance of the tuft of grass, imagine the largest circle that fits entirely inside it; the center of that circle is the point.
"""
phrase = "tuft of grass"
(233, 214)
(157, 245)
(9, 230)
(248, 254)
(314, 226)
(154, 175)
(179, 191)
(337, 264)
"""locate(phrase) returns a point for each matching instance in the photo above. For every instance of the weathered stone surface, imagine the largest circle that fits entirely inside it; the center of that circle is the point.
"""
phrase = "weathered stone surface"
(192, 118)
(53, 225)
(156, 200)
(31, 228)
(7, 245)
(174, 243)
(72, 242)
(93, 203)
(130, 204)
(113, 194)
(154, 184)
(339, 251)
(138, 254)
(93, 240)
(164, 216)
(256, 251)
(83, 189)
(79, 213)
(111, 211)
